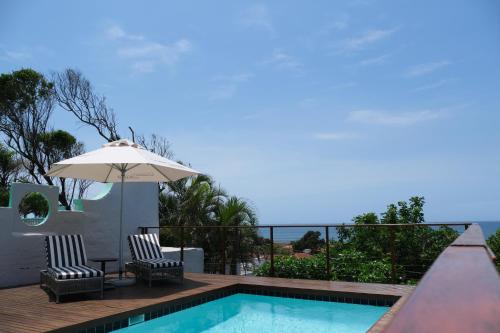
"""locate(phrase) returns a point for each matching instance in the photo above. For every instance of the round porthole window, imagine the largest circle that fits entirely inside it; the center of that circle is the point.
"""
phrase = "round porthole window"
(34, 209)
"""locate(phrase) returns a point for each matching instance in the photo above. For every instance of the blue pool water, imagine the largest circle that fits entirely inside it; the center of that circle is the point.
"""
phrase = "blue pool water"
(265, 314)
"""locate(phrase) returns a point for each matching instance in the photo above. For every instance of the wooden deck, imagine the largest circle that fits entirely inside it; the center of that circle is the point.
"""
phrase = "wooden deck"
(28, 309)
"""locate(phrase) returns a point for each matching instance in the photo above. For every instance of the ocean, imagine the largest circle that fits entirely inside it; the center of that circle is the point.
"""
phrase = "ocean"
(286, 235)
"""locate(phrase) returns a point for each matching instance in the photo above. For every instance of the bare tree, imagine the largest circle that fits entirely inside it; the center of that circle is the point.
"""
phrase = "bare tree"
(156, 144)
(75, 94)
(26, 103)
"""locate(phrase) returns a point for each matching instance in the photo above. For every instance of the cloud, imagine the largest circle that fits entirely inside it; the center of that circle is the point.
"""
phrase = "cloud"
(14, 55)
(337, 23)
(242, 77)
(144, 66)
(166, 53)
(222, 92)
(336, 136)
(146, 55)
(394, 118)
(308, 103)
(431, 86)
(344, 85)
(426, 68)
(251, 116)
(116, 32)
(282, 61)
(259, 17)
(340, 24)
(374, 61)
(227, 85)
(361, 42)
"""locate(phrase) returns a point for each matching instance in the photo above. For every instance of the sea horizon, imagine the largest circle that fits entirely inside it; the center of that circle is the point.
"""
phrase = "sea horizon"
(288, 234)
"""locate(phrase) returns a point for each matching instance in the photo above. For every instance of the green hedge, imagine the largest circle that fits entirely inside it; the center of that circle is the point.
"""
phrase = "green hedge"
(348, 265)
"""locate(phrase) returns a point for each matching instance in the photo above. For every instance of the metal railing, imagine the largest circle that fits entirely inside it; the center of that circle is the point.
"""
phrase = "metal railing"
(228, 245)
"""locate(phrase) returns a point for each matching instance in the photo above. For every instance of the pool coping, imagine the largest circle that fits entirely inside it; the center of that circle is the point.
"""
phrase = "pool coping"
(121, 320)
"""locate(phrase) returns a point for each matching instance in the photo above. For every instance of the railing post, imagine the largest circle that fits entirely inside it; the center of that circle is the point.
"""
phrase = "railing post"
(223, 250)
(144, 230)
(271, 235)
(393, 254)
(237, 251)
(182, 243)
(327, 248)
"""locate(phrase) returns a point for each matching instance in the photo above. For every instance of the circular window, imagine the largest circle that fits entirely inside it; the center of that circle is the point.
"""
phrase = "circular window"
(34, 209)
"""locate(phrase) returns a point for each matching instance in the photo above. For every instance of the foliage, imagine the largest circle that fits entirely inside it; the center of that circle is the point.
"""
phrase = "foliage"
(27, 100)
(312, 267)
(348, 265)
(9, 170)
(196, 201)
(34, 203)
(363, 252)
(494, 243)
(311, 240)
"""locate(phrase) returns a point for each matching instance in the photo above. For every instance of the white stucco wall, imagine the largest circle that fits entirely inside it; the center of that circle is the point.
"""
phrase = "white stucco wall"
(193, 257)
(22, 247)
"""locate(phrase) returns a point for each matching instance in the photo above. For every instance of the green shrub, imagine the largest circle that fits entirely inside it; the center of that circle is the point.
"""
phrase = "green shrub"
(312, 267)
(494, 244)
(356, 266)
(349, 265)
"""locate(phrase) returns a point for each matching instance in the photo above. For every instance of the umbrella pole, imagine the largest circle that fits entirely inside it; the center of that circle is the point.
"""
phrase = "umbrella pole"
(121, 281)
(120, 261)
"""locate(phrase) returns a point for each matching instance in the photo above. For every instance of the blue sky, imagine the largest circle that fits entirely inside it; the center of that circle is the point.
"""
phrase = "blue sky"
(315, 111)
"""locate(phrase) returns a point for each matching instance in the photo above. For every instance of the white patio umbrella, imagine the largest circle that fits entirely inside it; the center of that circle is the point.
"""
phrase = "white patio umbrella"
(119, 162)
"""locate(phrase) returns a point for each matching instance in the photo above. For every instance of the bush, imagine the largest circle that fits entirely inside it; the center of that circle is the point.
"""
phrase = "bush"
(311, 240)
(312, 267)
(349, 265)
(356, 266)
(494, 244)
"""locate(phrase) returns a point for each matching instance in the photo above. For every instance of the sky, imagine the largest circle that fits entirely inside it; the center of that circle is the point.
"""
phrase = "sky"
(314, 111)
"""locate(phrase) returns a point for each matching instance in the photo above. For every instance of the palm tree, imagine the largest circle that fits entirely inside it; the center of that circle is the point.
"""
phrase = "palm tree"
(190, 202)
(236, 212)
(198, 202)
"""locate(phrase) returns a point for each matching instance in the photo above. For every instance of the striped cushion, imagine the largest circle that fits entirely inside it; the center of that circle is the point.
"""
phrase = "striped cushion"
(65, 250)
(74, 272)
(160, 263)
(144, 246)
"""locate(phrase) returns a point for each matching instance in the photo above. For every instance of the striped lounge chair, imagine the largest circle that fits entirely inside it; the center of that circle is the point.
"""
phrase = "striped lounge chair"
(148, 262)
(67, 271)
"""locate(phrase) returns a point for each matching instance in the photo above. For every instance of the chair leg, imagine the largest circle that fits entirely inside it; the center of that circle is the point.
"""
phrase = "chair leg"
(57, 298)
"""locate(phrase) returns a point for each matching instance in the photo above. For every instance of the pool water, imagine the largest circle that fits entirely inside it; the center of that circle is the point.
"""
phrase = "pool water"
(265, 314)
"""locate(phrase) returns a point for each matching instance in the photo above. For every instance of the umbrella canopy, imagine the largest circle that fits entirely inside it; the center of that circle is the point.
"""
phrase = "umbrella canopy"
(107, 165)
(119, 162)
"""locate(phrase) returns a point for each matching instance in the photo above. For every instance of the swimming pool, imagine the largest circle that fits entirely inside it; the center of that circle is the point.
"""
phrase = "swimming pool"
(255, 313)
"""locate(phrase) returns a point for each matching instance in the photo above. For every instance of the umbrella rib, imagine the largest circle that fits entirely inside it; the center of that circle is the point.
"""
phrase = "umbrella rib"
(161, 173)
(57, 171)
(107, 176)
(135, 166)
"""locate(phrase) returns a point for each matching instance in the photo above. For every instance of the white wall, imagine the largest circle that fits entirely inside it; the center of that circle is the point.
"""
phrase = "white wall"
(193, 257)
(22, 247)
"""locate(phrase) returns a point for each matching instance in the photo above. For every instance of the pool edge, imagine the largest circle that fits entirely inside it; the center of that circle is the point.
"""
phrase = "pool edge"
(120, 320)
